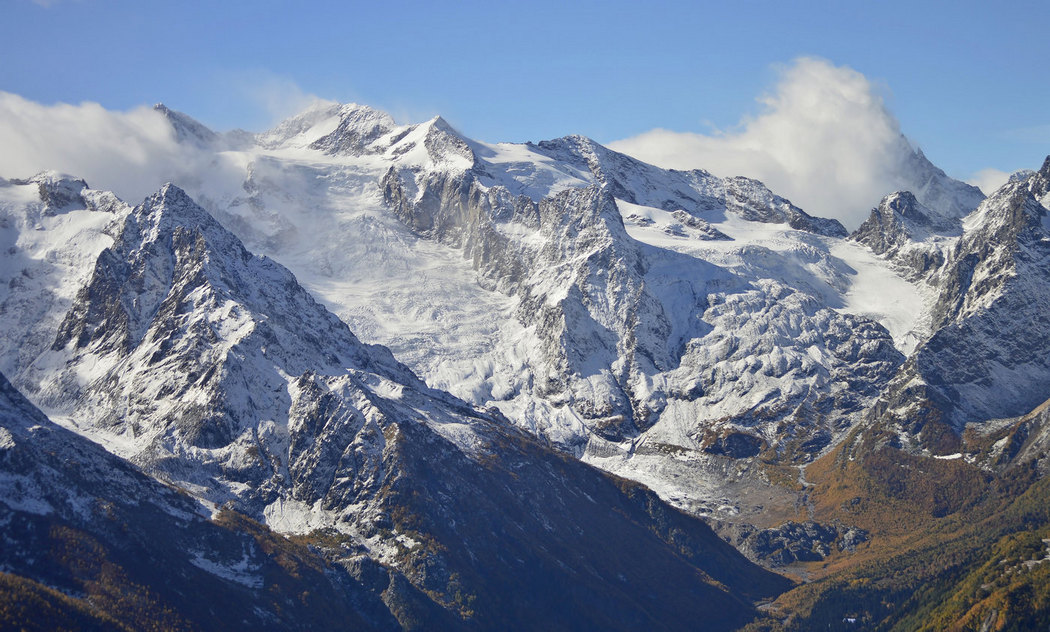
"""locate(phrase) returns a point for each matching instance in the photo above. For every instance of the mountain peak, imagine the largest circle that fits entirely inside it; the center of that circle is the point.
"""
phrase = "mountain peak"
(359, 112)
(358, 127)
(901, 219)
(1039, 183)
(187, 129)
(576, 142)
(752, 200)
(58, 191)
(51, 177)
(171, 197)
(931, 186)
(439, 122)
(299, 128)
(905, 204)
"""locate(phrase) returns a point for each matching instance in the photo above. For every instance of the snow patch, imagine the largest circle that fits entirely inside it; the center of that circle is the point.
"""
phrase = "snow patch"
(287, 515)
(242, 572)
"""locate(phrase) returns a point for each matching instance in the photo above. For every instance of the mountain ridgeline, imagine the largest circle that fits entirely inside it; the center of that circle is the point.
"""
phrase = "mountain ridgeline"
(446, 384)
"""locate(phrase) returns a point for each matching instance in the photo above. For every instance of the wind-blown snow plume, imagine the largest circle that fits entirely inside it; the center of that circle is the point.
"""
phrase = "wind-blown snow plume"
(825, 139)
(276, 95)
(131, 153)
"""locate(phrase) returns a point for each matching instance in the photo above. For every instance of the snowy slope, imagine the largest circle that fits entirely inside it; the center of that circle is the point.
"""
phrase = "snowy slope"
(568, 285)
(212, 369)
(52, 229)
(604, 304)
(181, 343)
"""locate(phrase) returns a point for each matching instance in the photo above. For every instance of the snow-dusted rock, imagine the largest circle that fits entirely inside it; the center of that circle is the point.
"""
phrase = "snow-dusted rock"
(508, 275)
(212, 369)
(604, 304)
(987, 355)
(80, 520)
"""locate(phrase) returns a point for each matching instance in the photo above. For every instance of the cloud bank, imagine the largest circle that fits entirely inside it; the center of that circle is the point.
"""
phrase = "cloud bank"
(131, 153)
(824, 139)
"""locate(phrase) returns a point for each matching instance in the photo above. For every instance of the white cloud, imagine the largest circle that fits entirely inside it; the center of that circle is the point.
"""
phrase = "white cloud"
(131, 153)
(988, 180)
(824, 139)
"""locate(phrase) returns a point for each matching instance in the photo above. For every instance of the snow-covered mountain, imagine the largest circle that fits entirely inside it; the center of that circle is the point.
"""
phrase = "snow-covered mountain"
(660, 324)
(700, 335)
(624, 312)
(213, 370)
(988, 357)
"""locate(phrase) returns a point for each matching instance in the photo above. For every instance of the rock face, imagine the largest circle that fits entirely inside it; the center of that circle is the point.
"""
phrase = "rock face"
(359, 126)
(987, 356)
(989, 308)
(637, 343)
(212, 369)
(906, 232)
(798, 542)
(695, 192)
(137, 553)
(754, 202)
(53, 229)
(611, 344)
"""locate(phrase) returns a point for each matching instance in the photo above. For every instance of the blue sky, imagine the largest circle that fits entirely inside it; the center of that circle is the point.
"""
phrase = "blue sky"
(965, 79)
